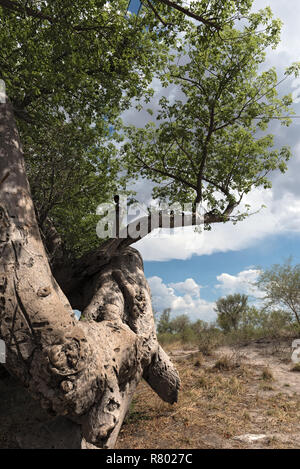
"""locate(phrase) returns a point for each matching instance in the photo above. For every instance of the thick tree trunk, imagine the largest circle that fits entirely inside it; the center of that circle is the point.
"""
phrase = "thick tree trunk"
(85, 370)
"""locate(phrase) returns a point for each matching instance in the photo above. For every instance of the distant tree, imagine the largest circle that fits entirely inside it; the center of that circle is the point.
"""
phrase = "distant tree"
(164, 324)
(275, 322)
(230, 310)
(182, 327)
(199, 326)
(281, 285)
(251, 318)
(180, 323)
(270, 323)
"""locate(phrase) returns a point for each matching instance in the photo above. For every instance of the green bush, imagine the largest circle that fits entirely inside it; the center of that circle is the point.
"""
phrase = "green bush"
(253, 324)
(167, 338)
(209, 339)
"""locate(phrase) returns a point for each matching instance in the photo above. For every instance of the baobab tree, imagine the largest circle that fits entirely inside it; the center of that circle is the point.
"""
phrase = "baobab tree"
(70, 69)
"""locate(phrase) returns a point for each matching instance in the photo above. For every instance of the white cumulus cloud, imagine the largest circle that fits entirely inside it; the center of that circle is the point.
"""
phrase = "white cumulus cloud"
(166, 296)
(243, 282)
(189, 286)
(184, 297)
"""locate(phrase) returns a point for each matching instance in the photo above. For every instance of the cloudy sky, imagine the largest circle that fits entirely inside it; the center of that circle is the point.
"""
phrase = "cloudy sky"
(188, 271)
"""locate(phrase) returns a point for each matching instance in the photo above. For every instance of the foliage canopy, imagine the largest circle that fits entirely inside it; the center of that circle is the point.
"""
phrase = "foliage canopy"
(71, 69)
(210, 146)
(281, 285)
(230, 310)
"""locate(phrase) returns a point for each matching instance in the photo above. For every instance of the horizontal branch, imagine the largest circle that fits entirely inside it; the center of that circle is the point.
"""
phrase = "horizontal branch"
(174, 221)
(191, 14)
(72, 275)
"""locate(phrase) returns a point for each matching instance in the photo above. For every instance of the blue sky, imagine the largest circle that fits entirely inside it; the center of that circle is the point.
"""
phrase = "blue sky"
(215, 275)
(134, 5)
(205, 269)
(189, 271)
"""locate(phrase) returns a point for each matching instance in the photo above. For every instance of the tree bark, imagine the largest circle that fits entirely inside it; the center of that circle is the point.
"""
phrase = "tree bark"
(86, 370)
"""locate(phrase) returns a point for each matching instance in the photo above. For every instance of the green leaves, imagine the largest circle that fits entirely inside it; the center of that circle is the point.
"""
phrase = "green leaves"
(230, 311)
(86, 57)
(71, 68)
(70, 177)
(210, 146)
(281, 285)
(294, 69)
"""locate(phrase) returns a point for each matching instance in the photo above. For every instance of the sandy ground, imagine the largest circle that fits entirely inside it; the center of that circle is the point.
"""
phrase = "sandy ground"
(257, 395)
(234, 392)
(278, 361)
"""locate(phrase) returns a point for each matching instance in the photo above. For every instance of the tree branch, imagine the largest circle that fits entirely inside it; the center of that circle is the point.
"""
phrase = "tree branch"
(149, 3)
(204, 155)
(152, 223)
(191, 14)
(167, 174)
(14, 6)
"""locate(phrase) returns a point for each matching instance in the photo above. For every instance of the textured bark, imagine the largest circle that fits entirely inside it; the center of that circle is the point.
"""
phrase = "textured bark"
(52, 242)
(85, 370)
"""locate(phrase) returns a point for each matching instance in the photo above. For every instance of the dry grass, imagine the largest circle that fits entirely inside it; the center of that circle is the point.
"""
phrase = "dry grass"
(267, 374)
(218, 400)
(227, 363)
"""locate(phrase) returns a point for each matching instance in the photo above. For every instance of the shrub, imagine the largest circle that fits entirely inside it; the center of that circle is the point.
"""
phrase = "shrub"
(209, 339)
(267, 374)
(226, 363)
(167, 338)
(230, 310)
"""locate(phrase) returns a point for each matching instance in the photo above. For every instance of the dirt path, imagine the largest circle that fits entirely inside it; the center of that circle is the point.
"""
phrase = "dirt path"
(265, 356)
(261, 355)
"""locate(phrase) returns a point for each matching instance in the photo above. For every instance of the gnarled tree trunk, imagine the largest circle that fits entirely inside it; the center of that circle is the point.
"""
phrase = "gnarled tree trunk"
(86, 370)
